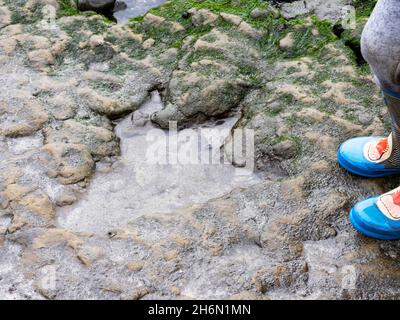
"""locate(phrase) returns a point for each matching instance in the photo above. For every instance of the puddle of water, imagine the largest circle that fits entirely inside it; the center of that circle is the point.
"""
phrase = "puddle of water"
(136, 8)
(137, 185)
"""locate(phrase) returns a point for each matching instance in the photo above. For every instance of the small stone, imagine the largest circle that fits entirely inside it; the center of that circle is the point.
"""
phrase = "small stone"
(169, 55)
(120, 5)
(39, 203)
(154, 20)
(65, 199)
(43, 287)
(202, 17)
(4, 202)
(135, 266)
(41, 58)
(101, 104)
(287, 42)
(103, 167)
(231, 18)
(55, 236)
(284, 149)
(140, 119)
(264, 13)
(99, 141)
(364, 118)
(175, 291)
(71, 163)
(5, 16)
(139, 293)
(16, 224)
(89, 254)
(12, 30)
(63, 107)
(264, 281)
(315, 32)
(82, 184)
(148, 43)
(124, 33)
(171, 255)
(175, 27)
(96, 41)
(249, 30)
(258, 13)
(275, 107)
(99, 6)
(392, 254)
(21, 115)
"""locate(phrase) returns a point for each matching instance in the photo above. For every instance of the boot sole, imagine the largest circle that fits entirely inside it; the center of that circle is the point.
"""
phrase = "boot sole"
(369, 233)
(354, 170)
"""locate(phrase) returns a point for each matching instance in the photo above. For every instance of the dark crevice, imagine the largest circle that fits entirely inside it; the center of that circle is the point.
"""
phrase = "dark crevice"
(356, 48)
(106, 10)
(338, 30)
(352, 43)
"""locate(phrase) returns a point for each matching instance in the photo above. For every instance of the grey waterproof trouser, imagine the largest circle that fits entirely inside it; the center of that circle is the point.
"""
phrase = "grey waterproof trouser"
(380, 43)
(380, 46)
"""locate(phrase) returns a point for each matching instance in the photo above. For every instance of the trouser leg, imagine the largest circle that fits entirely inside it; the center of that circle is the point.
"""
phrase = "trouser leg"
(393, 104)
(380, 45)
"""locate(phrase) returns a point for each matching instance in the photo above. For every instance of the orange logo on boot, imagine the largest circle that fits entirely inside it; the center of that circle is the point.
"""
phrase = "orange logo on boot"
(378, 150)
(389, 204)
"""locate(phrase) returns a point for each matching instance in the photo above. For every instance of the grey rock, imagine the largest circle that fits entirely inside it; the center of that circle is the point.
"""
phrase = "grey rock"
(120, 5)
(100, 6)
(264, 13)
(259, 13)
(330, 9)
(284, 149)
(364, 118)
(202, 17)
(213, 98)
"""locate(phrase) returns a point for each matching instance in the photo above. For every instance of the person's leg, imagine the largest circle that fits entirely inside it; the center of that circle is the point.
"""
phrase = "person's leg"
(380, 44)
(379, 217)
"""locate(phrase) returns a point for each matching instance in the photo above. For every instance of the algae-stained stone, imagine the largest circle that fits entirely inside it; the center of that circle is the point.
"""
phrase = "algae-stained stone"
(70, 163)
(5, 16)
(96, 5)
(194, 95)
(99, 141)
(21, 114)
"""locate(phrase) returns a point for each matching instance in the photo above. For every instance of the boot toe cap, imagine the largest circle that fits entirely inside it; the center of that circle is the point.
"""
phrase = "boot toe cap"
(351, 157)
(369, 220)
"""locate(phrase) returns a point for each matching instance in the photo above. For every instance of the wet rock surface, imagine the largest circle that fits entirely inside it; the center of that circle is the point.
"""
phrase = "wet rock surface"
(332, 10)
(126, 9)
(105, 7)
(75, 107)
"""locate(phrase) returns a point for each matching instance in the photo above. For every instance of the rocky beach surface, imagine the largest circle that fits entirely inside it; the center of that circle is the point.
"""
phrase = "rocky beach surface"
(82, 216)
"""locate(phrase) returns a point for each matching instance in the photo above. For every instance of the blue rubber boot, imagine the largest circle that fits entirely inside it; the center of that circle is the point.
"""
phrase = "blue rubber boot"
(378, 217)
(375, 157)
(361, 157)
